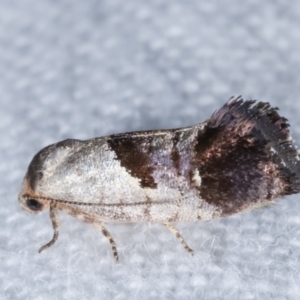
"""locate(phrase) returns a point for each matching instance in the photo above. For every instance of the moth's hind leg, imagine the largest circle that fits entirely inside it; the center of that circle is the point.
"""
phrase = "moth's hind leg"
(180, 237)
(106, 233)
(55, 224)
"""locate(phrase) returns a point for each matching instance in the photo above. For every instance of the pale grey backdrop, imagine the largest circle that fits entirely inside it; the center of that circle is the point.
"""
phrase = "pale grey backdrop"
(81, 69)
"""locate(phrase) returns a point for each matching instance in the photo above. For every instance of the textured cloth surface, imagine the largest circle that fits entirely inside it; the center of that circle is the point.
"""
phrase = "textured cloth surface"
(79, 69)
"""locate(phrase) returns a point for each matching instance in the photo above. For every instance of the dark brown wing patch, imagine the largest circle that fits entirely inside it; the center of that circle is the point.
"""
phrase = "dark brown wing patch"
(242, 152)
(132, 157)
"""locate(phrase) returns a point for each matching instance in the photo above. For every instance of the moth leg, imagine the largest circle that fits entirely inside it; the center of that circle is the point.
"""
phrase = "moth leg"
(89, 219)
(107, 234)
(55, 224)
(180, 237)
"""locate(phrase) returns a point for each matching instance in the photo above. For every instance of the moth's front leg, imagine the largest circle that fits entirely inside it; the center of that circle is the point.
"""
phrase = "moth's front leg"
(55, 224)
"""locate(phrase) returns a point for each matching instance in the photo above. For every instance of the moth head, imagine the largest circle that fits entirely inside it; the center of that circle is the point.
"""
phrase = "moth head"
(30, 198)
(30, 202)
(44, 177)
(32, 205)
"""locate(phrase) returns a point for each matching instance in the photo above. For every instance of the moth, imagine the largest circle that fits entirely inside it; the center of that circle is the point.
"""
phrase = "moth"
(242, 157)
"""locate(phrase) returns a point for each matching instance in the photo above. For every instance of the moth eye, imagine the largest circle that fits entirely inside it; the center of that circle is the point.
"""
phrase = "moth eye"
(34, 205)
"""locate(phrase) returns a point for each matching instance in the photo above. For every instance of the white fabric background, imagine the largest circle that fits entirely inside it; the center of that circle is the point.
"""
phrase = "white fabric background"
(79, 69)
